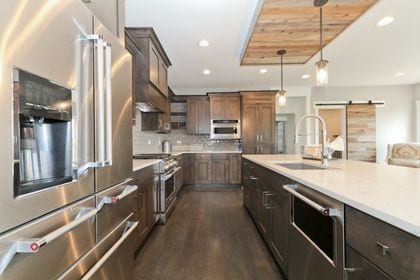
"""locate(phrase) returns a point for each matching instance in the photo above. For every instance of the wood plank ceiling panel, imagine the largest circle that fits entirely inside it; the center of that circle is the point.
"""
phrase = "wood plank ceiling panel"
(294, 25)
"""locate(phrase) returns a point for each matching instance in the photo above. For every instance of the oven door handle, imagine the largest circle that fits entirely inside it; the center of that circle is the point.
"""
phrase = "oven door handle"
(129, 189)
(329, 212)
(130, 227)
(166, 177)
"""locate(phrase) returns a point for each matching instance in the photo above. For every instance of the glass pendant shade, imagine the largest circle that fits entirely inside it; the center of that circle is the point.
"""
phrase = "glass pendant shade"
(322, 72)
(281, 98)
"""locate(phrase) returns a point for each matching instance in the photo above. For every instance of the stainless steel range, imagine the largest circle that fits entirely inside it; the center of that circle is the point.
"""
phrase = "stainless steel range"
(169, 173)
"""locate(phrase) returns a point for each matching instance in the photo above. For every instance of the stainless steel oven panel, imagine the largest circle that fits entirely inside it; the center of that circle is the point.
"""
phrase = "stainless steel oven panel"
(26, 31)
(118, 130)
(45, 248)
(114, 205)
(306, 259)
(169, 209)
(111, 258)
(234, 125)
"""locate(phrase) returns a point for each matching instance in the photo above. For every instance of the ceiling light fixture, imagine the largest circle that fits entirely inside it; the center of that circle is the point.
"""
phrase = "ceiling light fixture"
(206, 72)
(204, 43)
(306, 76)
(263, 71)
(281, 94)
(399, 74)
(321, 65)
(384, 21)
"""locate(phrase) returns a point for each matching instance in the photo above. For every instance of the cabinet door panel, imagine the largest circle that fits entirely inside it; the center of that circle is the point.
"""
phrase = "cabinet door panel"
(233, 108)
(217, 108)
(154, 65)
(192, 109)
(263, 213)
(220, 171)
(250, 124)
(279, 228)
(163, 79)
(235, 169)
(267, 123)
(203, 171)
(204, 117)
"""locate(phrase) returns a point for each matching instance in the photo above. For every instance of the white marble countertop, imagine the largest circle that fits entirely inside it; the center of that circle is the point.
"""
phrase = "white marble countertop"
(142, 163)
(389, 193)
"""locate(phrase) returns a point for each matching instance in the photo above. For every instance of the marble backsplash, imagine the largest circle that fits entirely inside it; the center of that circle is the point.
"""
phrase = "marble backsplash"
(150, 141)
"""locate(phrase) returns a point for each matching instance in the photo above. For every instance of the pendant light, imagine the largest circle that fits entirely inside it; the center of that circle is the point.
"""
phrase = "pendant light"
(322, 65)
(281, 94)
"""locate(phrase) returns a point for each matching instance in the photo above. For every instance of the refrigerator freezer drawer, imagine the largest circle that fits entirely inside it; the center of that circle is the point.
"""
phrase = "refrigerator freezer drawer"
(115, 205)
(46, 247)
(111, 258)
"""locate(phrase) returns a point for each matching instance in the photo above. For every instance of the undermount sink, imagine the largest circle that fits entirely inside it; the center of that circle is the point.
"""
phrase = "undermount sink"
(299, 166)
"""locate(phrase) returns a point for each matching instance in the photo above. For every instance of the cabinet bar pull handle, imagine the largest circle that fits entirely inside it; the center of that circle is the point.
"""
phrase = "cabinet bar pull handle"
(385, 248)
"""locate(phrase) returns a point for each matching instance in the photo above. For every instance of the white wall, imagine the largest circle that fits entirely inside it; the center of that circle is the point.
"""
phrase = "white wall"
(395, 121)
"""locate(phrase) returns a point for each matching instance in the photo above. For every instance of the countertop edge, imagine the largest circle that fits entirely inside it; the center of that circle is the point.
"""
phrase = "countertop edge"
(147, 163)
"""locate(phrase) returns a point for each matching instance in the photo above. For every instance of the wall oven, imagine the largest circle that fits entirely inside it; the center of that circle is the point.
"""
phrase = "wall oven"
(316, 235)
(225, 129)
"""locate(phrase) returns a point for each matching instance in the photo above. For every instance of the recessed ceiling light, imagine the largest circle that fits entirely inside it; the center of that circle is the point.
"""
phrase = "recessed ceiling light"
(206, 72)
(204, 43)
(385, 21)
(306, 76)
(399, 74)
(263, 71)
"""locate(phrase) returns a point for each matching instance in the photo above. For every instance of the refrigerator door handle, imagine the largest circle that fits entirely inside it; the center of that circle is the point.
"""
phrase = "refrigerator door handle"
(100, 46)
(129, 189)
(32, 245)
(108, 102)
(130, 227)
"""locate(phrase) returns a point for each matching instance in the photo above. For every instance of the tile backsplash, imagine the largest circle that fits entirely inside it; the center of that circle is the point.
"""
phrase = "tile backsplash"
(150, 141)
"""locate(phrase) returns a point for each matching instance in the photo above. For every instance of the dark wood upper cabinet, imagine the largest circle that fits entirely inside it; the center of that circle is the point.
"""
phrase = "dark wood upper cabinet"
(225, 106)
(258, 122)
(198, 115)
(150, 73)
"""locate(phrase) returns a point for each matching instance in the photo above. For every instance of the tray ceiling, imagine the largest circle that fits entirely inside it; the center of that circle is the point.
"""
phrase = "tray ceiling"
(294, 25)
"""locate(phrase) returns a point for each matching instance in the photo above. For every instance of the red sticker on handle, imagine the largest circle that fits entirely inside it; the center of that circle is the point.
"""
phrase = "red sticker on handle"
(34, 247)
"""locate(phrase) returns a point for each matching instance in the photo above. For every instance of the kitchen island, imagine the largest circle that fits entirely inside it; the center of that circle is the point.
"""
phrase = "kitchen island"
(379, 215)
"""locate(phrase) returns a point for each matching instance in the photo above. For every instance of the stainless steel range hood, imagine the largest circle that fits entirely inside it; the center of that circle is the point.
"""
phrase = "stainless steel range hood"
(146, 107)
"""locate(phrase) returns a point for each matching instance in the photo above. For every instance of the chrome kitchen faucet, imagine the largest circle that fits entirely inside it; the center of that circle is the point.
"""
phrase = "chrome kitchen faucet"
(325, 155)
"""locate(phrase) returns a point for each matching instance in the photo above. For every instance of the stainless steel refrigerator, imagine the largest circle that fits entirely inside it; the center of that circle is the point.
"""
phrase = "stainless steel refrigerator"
(65, 114)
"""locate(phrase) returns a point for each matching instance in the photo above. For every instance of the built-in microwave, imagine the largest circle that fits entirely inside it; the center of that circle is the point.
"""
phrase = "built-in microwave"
(225, 129)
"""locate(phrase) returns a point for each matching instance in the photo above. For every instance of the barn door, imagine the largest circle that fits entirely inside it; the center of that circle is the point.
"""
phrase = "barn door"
(361, 132)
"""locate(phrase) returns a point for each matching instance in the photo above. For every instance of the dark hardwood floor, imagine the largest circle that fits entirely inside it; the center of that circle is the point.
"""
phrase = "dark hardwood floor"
(209, 236)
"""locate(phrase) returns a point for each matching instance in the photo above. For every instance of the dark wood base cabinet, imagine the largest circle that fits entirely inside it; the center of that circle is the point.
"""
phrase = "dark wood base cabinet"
(268, 205)
(144, 203)
(374, 250)
(212, 168)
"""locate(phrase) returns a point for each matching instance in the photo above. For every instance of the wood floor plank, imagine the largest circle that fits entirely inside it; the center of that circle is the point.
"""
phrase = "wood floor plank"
(209, 236)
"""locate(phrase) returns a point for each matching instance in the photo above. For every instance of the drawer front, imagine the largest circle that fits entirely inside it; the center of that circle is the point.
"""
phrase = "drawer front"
(114, 212)
(392, 250)
(220, 156)
(112, 257)
(359, 268)
(203, 156)
(60, 253)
